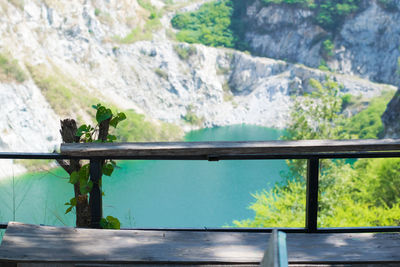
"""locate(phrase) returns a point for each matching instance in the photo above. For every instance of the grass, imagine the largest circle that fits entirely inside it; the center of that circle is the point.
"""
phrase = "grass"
(161, 73)
(184, 51)
(66, 97)
(10, 70)
(136, 128)
(143, 32)
(191, 117)
(228, 96)
(367, 123)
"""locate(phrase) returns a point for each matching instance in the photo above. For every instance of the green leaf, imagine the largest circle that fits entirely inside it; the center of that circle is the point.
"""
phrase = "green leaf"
(96, 106)
(82, 129)
(84, 173)
(68, 210)
(103, 114)
(111, 138)
(113, 222)
(86, 187)
(103, 223)
(74, 177)
(107, 169)
(117, 119)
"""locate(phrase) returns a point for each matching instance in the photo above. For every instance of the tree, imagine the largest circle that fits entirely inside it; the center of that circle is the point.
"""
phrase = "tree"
(362, 194)
(79, 172)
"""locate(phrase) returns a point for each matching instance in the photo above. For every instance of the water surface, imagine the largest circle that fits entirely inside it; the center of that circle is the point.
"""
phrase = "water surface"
(155, 193)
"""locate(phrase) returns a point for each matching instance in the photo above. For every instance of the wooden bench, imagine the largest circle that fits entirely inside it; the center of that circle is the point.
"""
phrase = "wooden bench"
(27, 245)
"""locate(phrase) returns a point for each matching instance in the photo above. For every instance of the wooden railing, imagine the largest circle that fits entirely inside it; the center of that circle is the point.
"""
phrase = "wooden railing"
(310, 150)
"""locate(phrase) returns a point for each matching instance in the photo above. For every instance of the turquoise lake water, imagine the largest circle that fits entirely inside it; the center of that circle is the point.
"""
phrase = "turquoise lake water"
(155, 193)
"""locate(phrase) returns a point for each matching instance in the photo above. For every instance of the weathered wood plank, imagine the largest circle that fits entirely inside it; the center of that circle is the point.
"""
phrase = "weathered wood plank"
(228, 148)
(35, 243)
(30, 243)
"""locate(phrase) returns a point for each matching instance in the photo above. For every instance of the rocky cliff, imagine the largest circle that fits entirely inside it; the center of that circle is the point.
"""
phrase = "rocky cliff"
(68, 56)
(367, 44)
(391, 117)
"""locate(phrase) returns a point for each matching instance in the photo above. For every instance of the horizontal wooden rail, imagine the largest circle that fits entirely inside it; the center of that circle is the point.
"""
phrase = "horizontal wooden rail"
(311, 150)
(190, 149)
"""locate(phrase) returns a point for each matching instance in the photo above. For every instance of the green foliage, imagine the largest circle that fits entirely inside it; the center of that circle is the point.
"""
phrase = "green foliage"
(347, 100)
(184, 52)
(366, 193)
(63, 93)
(97, 12)
(378, 181)
(143, 33)
(191, 117)
(281, 206)
(89, 134)
(327, 48)
(315, 116)
(10, 70)
(136, 129)
(329, 14)
(323, 66)
(209, 25)
(367, 123)
(161, 73)
(398, 66)
(110, 222)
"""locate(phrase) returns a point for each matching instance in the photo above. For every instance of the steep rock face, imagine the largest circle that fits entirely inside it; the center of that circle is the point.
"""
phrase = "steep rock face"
(71, 58)
(391, 117)
(367, 44)
(27, 123)
(284, 32)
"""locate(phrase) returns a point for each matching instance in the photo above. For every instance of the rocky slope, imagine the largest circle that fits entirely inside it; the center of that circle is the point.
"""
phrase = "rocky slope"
(366, 45)
(391, 117)
(76, 54)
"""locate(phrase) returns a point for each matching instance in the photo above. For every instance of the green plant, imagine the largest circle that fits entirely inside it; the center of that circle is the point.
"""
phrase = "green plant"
(97, 12)
(10, 70)
(367, 123)
(398, 66)
(191, 117)
(362, 194)
(88, 134)
(329, 14)
(184, 52)
(228, 96)
(110, 222)
(136, 129)
(323, 66)
(161, 73)
(210, 25)
(327, 48)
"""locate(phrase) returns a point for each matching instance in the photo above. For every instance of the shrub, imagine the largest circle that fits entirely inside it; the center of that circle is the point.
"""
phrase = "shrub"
(184, 52)
(10, 70)
(327, 48)
(161, 73)
(210, 25)
(191, 117)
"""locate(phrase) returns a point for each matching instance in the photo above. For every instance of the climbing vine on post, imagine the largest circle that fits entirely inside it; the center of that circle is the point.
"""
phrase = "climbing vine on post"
(79, 172)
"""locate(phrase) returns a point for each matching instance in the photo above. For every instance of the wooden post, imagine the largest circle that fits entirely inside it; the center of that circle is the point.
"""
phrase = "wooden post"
(95, 198)
(312, 194)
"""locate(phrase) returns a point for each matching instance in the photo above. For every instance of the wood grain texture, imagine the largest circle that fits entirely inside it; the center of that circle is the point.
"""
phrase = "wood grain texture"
(228, 148)
(32, 243)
